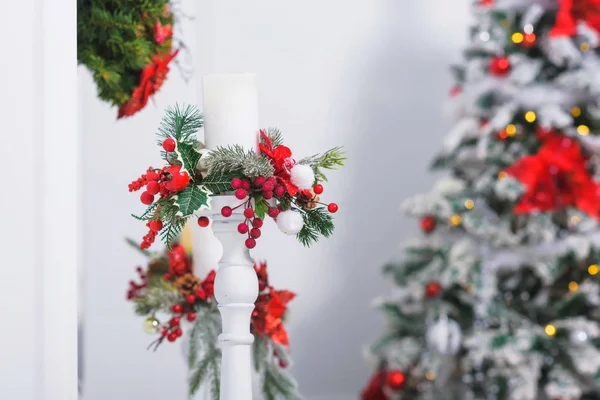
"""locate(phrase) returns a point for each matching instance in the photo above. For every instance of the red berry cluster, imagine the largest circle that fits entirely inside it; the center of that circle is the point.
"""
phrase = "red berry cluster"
(154, 226)
(135, 288)
(251, 225)
(165, 182)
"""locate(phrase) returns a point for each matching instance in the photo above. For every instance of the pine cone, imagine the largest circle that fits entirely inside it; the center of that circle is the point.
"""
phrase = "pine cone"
(187, 284)
(308, 200)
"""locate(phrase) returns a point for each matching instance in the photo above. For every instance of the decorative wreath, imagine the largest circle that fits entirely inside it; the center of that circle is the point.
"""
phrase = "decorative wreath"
(269, 183)
(127, 46)
(168, 288)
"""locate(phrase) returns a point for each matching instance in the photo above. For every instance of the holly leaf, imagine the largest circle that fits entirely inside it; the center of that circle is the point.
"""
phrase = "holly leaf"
(193, 198)
(189, 156)
(260, 207)
(219, 182)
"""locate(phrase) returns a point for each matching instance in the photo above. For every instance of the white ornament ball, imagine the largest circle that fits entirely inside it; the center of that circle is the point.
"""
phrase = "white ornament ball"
(290, 222)
(302, 176)
(444, 336)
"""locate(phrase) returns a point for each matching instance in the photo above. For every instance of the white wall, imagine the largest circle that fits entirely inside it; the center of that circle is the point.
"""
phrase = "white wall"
(371, 75)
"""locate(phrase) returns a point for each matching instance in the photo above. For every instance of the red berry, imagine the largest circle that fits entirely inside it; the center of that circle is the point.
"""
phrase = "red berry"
(151, 175)
(169, 145)
(248, 213)
(282, 364)
(273, 180)
(165, 332)
(268, 186)
(147, 198)
(257, 222)
(240, 194)
(455, 90)
(428, 224)
(332, 208)
(242, 228)
(246, 184)
(167, 277)
(259, 180)
(395, 379)
(255, 233)
(175, 321)
(499, 66)
(250, 243)
(201, 294)
(203, 222)
(153, 187)
(274, 212)
(178, 332)
(177, 308)
(190, 299)
(432, 289)
(267, 195)
(172, 337)
(279, 191)
(156, 225)
(191, 316)
(178, 182)
(226, 211)
(236, 183)
(318, 189)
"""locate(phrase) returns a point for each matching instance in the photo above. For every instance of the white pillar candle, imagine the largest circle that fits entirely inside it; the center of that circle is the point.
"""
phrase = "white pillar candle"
(230, 110)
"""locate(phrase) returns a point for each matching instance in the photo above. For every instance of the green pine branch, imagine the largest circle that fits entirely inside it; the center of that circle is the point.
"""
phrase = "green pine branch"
(332, 160)
(317, 222)
(232, 159)
(181, 124)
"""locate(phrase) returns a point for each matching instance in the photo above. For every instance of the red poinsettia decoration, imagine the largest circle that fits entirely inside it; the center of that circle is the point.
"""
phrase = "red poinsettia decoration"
(571, 12)
(271, 306)
(374, 389)
(282, 161)
(179, 262)
(556, 177)
(152, 78)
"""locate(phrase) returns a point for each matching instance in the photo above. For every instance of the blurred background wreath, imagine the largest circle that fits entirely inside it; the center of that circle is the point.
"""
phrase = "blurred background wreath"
(127, 46)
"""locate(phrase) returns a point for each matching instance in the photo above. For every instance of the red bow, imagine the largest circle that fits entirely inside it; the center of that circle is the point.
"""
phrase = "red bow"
(556, 177)
(282, 161)
(152, 78)
(374, 389)
(572, 11)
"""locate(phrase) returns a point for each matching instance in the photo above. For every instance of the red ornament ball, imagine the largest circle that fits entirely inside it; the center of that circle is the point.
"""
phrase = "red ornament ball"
(255, 233)
(332, 208)
(169, 145)
(499, 66)
(242, 228)
(153, 187)
(190, 299)
(257, 222)
(203, 222)
(191, 316)
(428, 224)
(177, 308)
(147, 198)
(432, 289)
(226, 211)
(240, 194)
(248, 213)
(395, 379)
(250, 243)
(236, 183)
(156, 225)
(318, 189)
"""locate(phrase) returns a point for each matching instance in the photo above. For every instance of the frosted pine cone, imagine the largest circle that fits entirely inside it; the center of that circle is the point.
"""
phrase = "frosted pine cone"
(187, 284)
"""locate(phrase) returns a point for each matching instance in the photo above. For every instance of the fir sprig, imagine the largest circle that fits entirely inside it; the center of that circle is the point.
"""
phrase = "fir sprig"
(274, 136)
(235, 158)
(180, 123)
(317, 222)
(331, 159)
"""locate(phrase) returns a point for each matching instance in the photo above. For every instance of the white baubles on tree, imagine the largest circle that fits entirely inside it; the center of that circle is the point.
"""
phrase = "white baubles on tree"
(444, 336)
(302, 176)
(290, 222)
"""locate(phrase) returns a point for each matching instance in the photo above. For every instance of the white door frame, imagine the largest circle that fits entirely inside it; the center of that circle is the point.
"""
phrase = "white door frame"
(40, 239)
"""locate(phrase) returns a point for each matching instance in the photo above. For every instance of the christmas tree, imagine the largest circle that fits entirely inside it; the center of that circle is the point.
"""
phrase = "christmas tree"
(498, 298)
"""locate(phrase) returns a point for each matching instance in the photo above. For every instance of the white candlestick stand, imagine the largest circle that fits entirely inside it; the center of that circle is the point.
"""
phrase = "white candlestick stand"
(231, 117)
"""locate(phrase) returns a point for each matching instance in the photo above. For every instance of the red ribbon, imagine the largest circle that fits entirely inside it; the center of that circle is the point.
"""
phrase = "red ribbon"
(282, 161)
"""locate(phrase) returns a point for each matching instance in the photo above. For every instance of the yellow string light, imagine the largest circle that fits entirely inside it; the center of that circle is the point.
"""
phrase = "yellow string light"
(430, 376)
(583, 130)
(550, 330)
(530, 116)
(469, 204)
(502, 175)
(455, 220)
(575, 219)
(517, 37)
(573, 286)
(584, 46)
(576, 111)
(511, 130)
(593, 269)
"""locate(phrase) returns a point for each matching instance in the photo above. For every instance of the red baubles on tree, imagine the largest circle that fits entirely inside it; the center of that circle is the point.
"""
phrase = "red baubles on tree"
(428, 224)
(499, 66)
(395, 379)
(432, 289)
